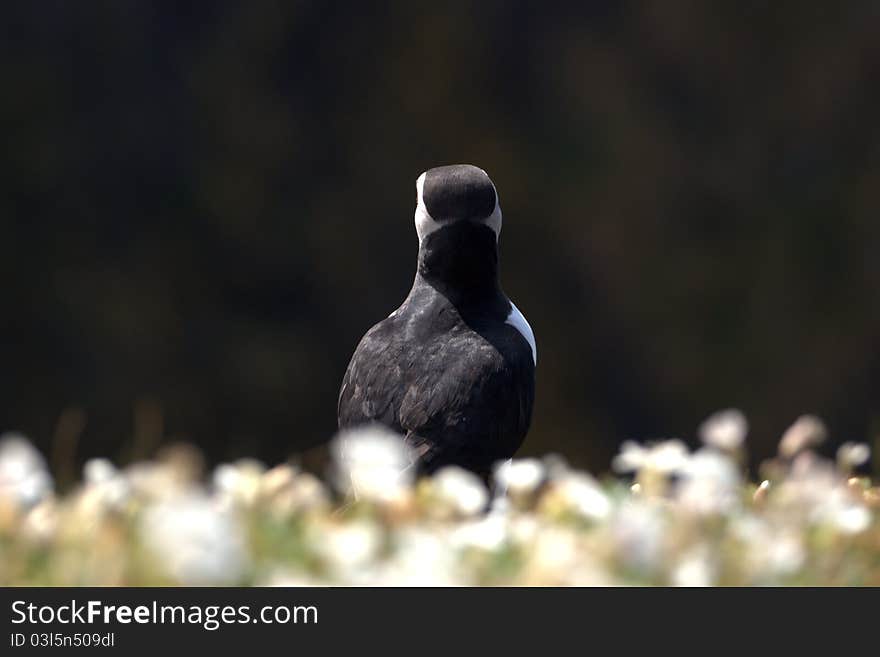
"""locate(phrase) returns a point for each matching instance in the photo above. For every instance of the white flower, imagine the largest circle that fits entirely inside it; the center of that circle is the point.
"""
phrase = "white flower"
(810, 470)
(665, 457)
(580, 493)
(853, 455)
(288, 491)
(373, 462)
(239, 483)
(461, 490)
(420, 558)
(632, 457)
(152, 480)
(277, 479)
(24, 477)
(770, 552)
(281, 577)
(695, 568)
(97, 471)
(725, 430)
(489, 533)
(41, 521)
(195, 541)
(840, 510)
(555, 466)
(524, 528)
(807, 431)
(811, 481)
(785, 553)
(350, 547)
(105, 487)
(817, 493)
(553, 552)
(519, 477)
(710, 483)
(308, 492)
(852, 519)
(637, 530)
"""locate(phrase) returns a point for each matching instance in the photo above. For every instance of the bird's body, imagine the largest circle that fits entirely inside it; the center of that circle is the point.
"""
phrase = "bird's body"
(452, 369)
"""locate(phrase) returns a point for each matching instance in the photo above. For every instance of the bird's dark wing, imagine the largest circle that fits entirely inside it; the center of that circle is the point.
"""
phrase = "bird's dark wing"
(371, 387)
(476, 409)
(468, 402)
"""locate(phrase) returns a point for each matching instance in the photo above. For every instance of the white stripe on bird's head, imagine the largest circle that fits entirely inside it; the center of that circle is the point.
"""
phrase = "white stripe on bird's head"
(425, 224)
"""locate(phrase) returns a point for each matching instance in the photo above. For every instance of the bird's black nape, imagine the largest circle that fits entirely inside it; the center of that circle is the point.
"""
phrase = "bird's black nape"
(461, 261)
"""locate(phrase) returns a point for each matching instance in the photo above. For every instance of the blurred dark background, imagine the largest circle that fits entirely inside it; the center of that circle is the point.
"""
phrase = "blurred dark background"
(203, 209)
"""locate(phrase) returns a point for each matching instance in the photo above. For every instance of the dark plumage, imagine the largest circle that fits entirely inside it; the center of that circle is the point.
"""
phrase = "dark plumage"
(452, 369)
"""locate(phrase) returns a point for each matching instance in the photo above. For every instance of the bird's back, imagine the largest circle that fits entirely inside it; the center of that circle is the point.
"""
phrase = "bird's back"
(457, 383)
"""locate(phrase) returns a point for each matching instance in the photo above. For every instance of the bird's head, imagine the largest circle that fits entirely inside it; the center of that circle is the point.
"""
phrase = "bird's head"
(449, 195)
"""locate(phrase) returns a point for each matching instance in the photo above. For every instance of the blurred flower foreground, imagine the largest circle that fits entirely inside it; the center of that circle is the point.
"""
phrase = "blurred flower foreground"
(672, 517)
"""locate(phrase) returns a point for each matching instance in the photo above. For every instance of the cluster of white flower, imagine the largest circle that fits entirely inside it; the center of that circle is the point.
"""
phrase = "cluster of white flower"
(686, 518)
(23, 473)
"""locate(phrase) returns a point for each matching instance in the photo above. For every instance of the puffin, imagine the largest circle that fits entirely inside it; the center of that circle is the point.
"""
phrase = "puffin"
(452, 370)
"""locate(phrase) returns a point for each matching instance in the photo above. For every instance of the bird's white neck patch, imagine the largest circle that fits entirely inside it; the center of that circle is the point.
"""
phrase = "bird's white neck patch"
(493, 221)
(425, 223)
(519, 322)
